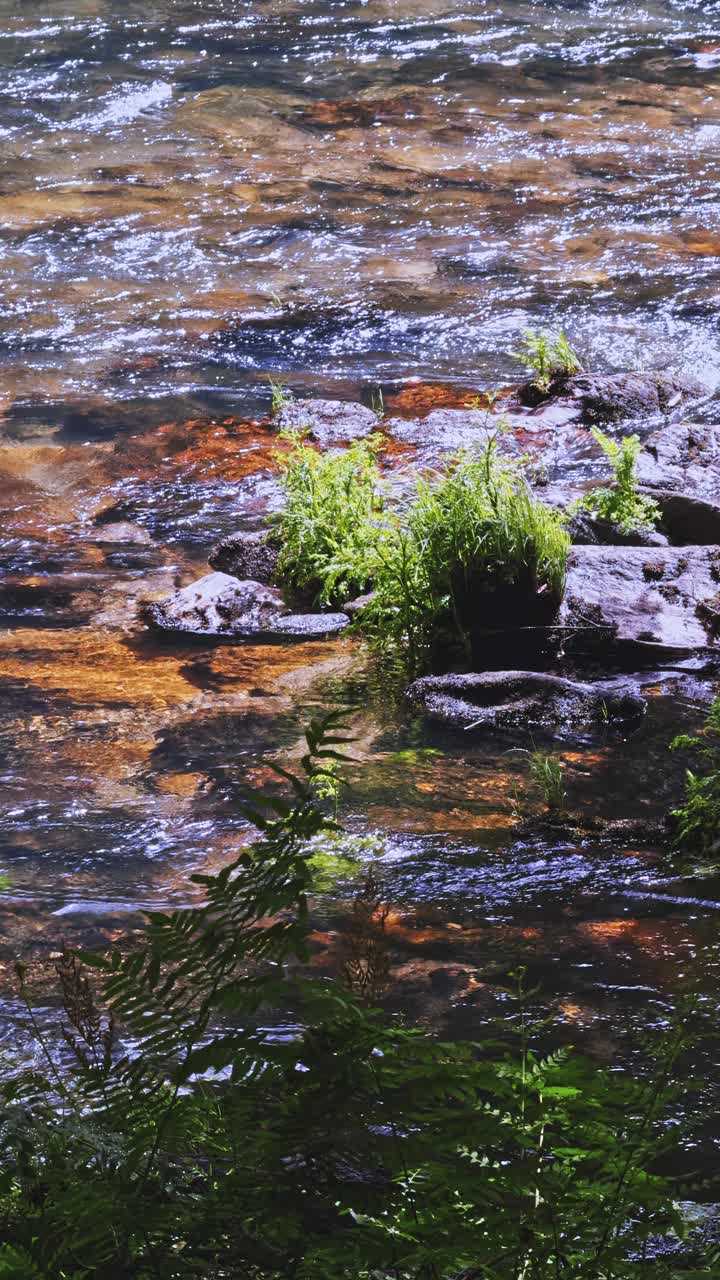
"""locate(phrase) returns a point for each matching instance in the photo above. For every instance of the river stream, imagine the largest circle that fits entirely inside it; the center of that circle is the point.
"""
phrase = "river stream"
(345, 197)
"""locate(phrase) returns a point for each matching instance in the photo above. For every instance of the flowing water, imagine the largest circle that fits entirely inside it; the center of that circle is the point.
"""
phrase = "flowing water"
(344, 196)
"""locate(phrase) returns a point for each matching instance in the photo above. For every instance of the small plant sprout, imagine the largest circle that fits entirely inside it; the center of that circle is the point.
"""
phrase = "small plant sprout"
(483, 400)
(548, 776)
(377, 404)
(622, 505)
(281, 396)
(548, 355)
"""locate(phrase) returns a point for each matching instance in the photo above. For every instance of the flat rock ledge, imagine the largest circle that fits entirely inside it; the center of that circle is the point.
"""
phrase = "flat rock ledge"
(664, 599)
(525, 699)
(684, 458)
(221, 607)
(328, 421)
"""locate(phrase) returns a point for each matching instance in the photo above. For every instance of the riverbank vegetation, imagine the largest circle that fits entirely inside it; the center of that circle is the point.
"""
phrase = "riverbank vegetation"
(219, 1113)
(473, 534)
(697, 821)
(335, 509)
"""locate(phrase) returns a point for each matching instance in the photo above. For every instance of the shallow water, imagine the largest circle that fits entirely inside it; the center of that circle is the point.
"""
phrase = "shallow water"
(351, 191)
(345, 196)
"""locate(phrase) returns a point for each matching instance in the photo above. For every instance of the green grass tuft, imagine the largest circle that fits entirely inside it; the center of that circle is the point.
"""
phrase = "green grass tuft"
(548, 775)
(281, 397)
(548, 355)
(329, 527)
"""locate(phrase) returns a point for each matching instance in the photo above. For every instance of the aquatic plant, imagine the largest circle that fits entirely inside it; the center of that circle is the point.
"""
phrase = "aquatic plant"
(281, 397)
(697, 821)
(485, 400)
(327, 784)
(548, 775)
(548, 355)
(179, 1137)
(473, 530)
(334, 503)
(481, 517)
(622, 505)
(377, 404)
(547, 778)
(477, 526)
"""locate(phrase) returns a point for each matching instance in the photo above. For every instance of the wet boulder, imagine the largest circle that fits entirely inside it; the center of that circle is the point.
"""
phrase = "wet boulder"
(680, 466)
(606, 398)
(554, 447)
(683, 457)
(247, 556)
(641, 599)
(689, 520)
(328, 421)
(308, 626)
(225, 608)
(443, 430)
(525, 699)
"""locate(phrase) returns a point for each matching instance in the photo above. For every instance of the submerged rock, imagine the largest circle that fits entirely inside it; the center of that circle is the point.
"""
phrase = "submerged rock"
(665, 598)
(328, 421)
(247, 556)
(612, 397)
(222, 607)
(417, 399)
(50, 602)
(524, 699)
